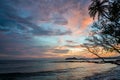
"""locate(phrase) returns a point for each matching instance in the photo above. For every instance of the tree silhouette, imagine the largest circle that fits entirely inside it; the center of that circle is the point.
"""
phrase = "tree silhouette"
(98, 7)
(106, 30)
(94, 50)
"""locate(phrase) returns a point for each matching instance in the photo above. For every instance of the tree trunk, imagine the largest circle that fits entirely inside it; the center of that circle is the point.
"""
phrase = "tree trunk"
(95, 54)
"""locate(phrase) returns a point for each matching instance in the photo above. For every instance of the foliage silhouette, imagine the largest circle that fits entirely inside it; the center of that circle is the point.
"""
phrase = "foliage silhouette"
(105, 31)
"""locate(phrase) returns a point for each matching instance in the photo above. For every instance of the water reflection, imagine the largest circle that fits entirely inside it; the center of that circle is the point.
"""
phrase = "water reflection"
(44, 70)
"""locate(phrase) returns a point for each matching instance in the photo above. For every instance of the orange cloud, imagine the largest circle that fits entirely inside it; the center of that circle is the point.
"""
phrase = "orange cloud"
(73, 20)
(85, 22)
(78, 21)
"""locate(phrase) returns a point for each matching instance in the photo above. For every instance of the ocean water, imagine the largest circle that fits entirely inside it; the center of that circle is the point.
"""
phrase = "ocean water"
(48, 70)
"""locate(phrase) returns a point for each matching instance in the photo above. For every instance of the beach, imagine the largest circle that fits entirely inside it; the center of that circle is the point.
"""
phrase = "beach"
(112, 74)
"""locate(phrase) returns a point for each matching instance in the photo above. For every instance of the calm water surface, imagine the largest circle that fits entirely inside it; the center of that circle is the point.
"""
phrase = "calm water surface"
(48, 70)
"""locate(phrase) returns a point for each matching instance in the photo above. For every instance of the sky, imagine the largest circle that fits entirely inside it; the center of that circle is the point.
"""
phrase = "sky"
(43, 28)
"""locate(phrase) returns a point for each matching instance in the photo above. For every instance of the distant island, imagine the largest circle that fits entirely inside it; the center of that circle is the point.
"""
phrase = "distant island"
(72, 58)
(113, 60)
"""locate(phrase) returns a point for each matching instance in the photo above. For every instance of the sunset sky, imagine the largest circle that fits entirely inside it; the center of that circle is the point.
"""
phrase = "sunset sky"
(43, 28)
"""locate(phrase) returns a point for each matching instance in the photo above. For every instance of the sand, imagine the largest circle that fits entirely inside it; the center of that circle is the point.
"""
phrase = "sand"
(112, 74)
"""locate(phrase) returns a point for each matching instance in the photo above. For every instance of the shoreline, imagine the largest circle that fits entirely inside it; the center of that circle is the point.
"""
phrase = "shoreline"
(100, 73)
(112, 74)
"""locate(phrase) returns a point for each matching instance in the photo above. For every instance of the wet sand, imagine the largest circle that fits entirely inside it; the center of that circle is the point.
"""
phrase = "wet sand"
(112, 74)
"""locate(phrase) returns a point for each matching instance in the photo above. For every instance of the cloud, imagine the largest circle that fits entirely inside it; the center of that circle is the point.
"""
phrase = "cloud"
(78, 18)
(28, 13)
(25, 26)
(23, 20)
(13, 46)
(73, 46)
(71, 42)
(39, 32)
(58, 18)
(60, 51)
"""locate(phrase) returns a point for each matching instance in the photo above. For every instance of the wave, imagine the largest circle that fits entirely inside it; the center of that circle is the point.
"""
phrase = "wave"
(39, 73)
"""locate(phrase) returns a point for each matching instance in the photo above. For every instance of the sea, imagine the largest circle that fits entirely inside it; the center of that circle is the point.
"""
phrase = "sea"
(49, 69)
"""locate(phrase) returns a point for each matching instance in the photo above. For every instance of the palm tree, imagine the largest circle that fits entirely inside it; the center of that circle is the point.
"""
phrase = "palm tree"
(98, 7)
(107, 30)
